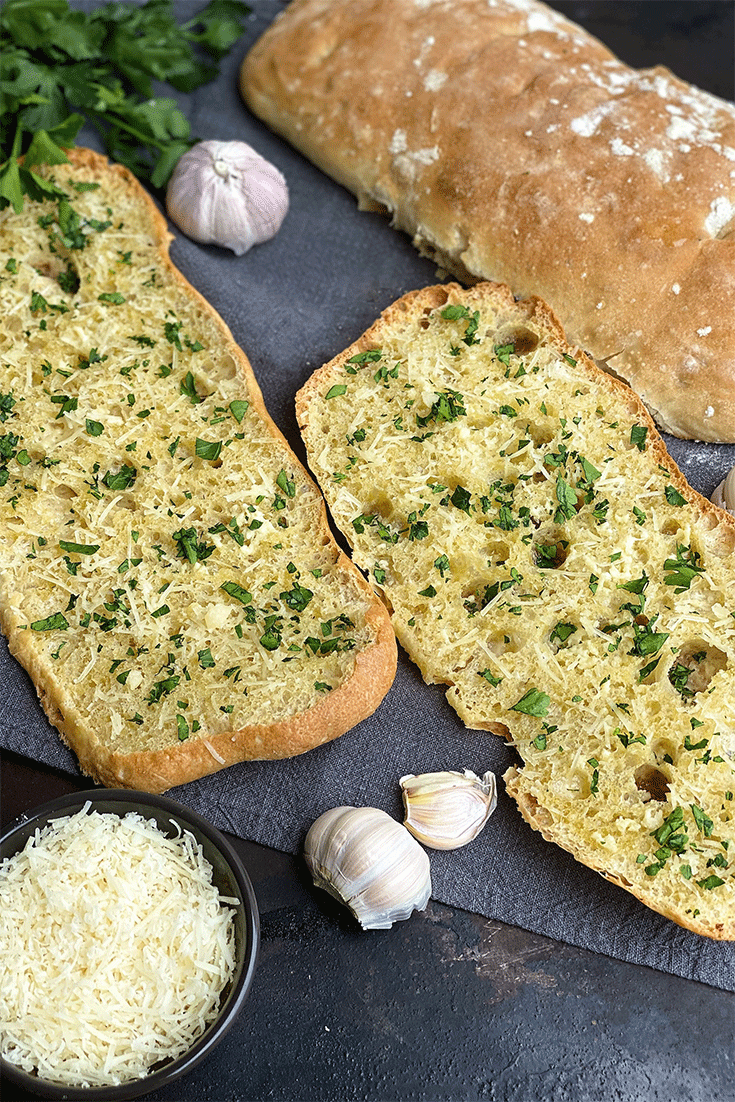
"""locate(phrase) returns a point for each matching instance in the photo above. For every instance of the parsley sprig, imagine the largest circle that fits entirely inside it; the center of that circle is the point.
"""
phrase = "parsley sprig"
(60, 68)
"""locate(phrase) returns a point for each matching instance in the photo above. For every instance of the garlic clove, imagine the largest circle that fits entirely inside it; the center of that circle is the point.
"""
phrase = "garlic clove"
(724, 494)
(446, 810)
(369, 862)
(225, 193)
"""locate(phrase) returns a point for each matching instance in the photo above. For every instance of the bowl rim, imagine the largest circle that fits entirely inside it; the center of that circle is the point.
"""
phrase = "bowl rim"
(129, 800)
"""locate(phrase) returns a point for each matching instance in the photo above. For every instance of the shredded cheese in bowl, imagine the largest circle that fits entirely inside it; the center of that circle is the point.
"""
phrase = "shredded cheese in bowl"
(115, 948)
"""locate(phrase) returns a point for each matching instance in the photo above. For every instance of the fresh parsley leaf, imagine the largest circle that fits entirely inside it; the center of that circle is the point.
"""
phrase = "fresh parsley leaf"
(120, 480)
(674, 497)
(189, 546)
(682, 570)
(238, 592)
(372, 356)
(336, 391)
(78, 548)
(704, 823)
(533, 703)
(448, 407)
(52, 623)
(566, 495)
(562, 632)
(638, 434)
(208, 449)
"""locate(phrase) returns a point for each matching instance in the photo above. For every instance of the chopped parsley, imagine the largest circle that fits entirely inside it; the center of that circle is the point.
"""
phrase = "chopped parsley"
(533, 703)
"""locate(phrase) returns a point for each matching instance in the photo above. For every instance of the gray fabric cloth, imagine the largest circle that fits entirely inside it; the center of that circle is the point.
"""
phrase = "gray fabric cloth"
(292, 304)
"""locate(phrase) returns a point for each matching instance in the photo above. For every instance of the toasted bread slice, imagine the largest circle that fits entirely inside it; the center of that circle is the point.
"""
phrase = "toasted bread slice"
(543, 557)
(167, 576)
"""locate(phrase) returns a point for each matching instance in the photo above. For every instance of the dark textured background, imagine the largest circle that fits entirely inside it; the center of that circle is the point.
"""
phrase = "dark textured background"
(451, 1004)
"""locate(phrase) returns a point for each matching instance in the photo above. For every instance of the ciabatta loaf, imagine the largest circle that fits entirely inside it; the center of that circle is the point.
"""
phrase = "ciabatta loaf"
(511, 145)
(167, 576)
(543, 557)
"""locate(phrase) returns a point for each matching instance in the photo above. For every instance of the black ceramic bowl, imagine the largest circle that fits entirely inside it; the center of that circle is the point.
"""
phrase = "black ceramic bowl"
(230, 878)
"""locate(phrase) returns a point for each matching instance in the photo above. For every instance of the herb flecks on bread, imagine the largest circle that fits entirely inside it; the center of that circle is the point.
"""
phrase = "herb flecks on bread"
(168, 578)
(543, 557)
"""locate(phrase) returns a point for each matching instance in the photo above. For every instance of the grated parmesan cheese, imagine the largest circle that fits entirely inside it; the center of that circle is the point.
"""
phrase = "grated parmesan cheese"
(115, 948)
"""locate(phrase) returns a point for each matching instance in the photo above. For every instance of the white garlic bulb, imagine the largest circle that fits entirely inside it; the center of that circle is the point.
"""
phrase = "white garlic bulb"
(448, 809)
(370, 863)
(224, 193)
(724, 494)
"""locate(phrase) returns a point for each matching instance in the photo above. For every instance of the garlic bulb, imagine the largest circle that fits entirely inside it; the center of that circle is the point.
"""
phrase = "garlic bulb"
(370, 863)
(724, 495)
(447, 810)
(224, 193)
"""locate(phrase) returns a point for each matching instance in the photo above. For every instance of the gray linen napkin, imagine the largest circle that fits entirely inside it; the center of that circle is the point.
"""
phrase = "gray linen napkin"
(292, 304)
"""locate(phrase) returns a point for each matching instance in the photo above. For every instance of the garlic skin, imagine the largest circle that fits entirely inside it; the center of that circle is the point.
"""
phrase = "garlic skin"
(369, 862)
(224, 193)
(448, 809)
(724, 494)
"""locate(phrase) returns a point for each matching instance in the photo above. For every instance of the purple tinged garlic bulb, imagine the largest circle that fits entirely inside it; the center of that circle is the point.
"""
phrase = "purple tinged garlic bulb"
(224, 193)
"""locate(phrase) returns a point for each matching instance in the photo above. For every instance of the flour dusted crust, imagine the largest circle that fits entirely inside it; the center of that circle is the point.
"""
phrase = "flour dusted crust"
(543, 558)
(513, 146)
(133, 424)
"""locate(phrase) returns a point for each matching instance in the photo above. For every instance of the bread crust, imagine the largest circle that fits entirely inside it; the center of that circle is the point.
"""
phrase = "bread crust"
(443, 640)
(329, 717)
(512, 146)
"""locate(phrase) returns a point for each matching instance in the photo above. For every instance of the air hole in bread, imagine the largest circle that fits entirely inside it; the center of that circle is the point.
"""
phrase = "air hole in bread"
(226, 368)
(550, 551)
(580, 786)
(497, 552)
(695, 666)
(51, 267)
(66, 493)
(380, 505)
(477, 594)
(540, 434)
(653, 782)
(670, 528)
(429, 310)
(523, 341)
(506, 643)
(665, 749)
(720, 540)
